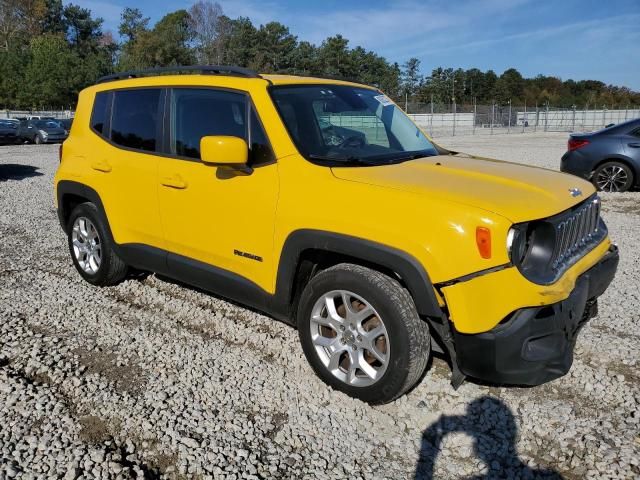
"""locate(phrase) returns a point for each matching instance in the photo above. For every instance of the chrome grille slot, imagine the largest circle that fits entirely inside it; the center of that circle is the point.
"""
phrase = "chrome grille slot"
(576, 231)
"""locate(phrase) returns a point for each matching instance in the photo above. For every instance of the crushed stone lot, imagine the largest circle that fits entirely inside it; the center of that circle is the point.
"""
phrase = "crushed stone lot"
(152, 379)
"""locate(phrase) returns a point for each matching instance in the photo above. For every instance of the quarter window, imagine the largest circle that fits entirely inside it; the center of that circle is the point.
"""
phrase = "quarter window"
(99, 114)
(260, 150)
(134, 120)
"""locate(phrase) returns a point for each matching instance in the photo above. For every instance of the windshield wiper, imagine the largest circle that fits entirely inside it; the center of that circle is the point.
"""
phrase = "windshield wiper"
(343, 160)
(408, 156)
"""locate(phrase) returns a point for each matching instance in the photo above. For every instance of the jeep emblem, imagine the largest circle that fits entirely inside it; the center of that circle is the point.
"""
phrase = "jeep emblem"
(575, 192)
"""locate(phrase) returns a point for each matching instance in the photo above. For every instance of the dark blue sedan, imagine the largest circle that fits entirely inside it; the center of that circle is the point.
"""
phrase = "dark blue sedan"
(609, 158)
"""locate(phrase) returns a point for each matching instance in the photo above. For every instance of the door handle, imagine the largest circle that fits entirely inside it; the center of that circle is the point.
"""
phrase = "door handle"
(101, 166)
(634, 145)
(175, 181)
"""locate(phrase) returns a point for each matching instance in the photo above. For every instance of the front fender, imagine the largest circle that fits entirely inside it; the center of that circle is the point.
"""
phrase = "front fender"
(406, 266)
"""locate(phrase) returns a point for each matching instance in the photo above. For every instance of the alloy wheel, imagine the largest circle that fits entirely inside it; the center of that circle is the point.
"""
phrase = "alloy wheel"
(612, 178)
(87, 247)
(350, 338)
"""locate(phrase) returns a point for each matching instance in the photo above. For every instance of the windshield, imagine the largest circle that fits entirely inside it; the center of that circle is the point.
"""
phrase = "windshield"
(344, 124)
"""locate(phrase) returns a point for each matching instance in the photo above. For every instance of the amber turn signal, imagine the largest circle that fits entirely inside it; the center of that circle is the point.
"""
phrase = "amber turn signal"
(483, 240)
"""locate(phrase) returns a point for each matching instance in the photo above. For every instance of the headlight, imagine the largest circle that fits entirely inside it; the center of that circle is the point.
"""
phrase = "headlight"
(530, 247)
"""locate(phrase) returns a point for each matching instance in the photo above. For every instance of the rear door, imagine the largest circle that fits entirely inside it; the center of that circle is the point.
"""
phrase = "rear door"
(217, 215)
(124, 165)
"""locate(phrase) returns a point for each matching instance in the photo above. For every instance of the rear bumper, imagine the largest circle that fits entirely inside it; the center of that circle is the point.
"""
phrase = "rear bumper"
(576, 163)
(535, 345)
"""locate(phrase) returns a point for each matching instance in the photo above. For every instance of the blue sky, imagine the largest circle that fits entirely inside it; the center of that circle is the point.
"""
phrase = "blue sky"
(579, 39)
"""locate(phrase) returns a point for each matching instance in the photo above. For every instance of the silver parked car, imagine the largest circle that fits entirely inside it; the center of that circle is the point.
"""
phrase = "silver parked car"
(42, 131)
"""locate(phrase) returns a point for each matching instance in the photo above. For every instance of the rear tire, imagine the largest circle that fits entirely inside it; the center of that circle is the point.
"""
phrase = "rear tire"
(613, 177)
(92, 249)
(349, 317)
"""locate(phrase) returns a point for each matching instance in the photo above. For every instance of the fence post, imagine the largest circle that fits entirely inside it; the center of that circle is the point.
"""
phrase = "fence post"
(626, 111)
(604, 115)
(535, 127)
(573, 118)
(546, 116)
(524, 116)
(454, 117)
(509, 124)
(493, 112)
(431, 118)
(474, 115)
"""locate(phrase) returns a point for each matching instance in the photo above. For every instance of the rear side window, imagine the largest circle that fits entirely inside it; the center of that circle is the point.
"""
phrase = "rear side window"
(134, 118)
(636, 132)
(199, 113)
(99, 114)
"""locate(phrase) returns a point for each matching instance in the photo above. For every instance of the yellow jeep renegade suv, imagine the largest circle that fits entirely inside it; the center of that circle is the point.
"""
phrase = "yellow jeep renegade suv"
(320, 203)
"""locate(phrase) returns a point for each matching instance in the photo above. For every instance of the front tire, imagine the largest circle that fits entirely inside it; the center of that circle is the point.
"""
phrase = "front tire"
(613, 177)
(91, 247)
(38, 140)
(361, 333)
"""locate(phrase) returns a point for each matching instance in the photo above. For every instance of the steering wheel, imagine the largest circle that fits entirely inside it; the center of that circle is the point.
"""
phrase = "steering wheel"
(354, 141)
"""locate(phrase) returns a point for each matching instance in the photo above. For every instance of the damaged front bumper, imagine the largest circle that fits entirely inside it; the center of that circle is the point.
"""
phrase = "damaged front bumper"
(534, 345)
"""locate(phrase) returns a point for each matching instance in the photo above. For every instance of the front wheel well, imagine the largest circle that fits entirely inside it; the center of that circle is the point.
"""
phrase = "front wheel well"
(313, 261)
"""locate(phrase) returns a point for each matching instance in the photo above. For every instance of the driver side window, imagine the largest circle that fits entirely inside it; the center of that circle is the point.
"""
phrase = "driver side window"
(202, 112)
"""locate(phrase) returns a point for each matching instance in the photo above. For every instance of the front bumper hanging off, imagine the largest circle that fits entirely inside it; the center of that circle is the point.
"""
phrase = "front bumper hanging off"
(535, 345)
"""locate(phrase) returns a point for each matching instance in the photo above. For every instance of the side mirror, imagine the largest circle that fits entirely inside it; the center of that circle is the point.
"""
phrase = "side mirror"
(224, 151)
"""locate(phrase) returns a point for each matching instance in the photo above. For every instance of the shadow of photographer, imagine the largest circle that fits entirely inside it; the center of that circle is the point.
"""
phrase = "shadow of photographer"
(491, 424)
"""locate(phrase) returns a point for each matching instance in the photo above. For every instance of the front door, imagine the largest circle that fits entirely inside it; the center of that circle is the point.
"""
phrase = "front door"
(216, 215)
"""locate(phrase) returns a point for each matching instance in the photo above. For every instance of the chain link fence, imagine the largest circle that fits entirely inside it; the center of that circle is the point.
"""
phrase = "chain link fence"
(464, 119)
(19, 114)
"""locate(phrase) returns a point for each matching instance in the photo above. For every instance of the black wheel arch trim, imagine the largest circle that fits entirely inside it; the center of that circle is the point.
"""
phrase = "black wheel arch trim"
(69, 187)
(410, 270)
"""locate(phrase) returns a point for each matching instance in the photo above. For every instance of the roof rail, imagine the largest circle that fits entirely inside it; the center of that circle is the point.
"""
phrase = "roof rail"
(203, 69)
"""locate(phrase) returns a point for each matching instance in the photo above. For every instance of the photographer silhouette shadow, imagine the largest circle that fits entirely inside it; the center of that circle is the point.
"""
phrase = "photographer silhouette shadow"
(493, 428)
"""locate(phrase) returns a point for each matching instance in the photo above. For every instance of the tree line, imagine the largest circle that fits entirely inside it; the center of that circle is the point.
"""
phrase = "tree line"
(50, 51)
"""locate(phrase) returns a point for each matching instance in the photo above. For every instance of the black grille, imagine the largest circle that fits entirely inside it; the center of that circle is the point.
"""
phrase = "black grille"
(577, 231)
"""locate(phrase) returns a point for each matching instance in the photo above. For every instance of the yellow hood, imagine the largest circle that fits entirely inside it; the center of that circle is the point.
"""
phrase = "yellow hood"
(515, 191)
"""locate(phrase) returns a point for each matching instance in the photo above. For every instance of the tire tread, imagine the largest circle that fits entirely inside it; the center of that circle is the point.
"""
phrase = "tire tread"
(419, 339)
(116, 269)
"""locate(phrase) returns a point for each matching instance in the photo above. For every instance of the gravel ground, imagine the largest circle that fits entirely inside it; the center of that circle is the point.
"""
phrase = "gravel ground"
(151, 379)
